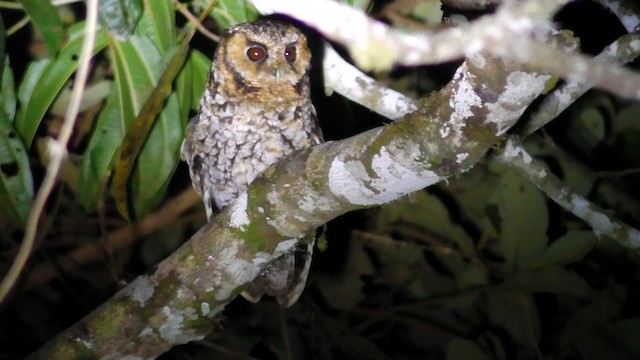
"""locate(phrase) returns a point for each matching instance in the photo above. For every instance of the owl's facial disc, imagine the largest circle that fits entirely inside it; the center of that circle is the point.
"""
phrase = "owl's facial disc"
(265, 63)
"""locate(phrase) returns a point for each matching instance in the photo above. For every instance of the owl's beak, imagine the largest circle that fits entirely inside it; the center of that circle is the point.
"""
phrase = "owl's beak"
(276, 74)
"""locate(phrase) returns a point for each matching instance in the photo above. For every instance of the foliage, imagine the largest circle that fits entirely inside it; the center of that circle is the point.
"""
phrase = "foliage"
(483, 267)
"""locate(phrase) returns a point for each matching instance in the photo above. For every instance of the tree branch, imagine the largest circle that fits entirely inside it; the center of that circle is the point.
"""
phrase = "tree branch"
(515, 155)
(179, 302)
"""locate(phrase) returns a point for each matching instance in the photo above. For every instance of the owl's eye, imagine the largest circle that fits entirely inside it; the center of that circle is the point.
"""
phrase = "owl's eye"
(290, 53)
(256, 53)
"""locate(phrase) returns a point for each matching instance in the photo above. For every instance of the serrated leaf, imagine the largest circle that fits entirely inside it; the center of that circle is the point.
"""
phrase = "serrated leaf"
(139, 67)
(158, 24)
(101, 150)
(523, 220)
(46, 19)
(120, 17)
(16, 181)
(40, 89)
(7, 91)
(571, 247)
(231, 12)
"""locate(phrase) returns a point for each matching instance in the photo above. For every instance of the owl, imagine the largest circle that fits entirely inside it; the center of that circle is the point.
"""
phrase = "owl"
(255, 109)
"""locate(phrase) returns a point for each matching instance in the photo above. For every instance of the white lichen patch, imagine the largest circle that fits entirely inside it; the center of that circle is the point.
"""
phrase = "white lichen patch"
(520, 90)
(87, 344)
(350, 180)
(171, 330)
(141, 289)
(600, 223)
(310, 204)
(147, 331)
(239, 217)
(204, 308)
(237, 271)
(461, 157)
(285, 247)
(512, 151)
(392, 179)
(462, 102)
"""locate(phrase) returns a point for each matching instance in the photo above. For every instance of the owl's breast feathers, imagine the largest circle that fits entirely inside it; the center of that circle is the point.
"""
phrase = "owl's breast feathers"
(231, 142)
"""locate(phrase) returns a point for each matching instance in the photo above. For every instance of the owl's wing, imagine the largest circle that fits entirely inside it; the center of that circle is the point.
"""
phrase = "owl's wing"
(189, 153)
(316, 131)
(286, 278)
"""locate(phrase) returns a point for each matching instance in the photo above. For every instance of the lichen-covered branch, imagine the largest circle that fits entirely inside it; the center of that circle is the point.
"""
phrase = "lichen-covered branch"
(619, 52)
(627, 11)
(557, 101)
(348, 81)
(179, 301)
(509, 33)
(515, 155)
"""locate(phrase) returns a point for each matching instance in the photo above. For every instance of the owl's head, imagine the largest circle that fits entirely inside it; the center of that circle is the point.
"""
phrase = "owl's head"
(264, 61)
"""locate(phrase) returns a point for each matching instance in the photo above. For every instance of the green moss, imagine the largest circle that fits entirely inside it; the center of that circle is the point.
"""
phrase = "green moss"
(72, 349)
(109, 320)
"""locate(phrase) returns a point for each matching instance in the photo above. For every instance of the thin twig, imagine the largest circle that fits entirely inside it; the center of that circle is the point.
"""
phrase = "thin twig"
(58, 150)
(19, 25)
(63, 2)
(10, 5)
(184, 11)
(115, 240)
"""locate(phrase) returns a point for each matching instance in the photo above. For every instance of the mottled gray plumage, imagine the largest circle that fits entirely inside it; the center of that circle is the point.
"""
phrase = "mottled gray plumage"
(255, 110)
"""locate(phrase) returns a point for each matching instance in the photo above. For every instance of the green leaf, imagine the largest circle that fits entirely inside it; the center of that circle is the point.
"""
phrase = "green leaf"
(138, 67)
(346, 290)
(571, 247)
(190, 82)
(586, 329)
(42, 85)
(3, 38)
(427, 212)
(120, 17)
(231, 12)
(463, 349)
(16, 181)
(158, 159)
(550, 279)
(8, 90)
(620, 331)
(93, 95)
(516, 313)
(523, 220)
(158, 23)
(101, 150)
(46, 19)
